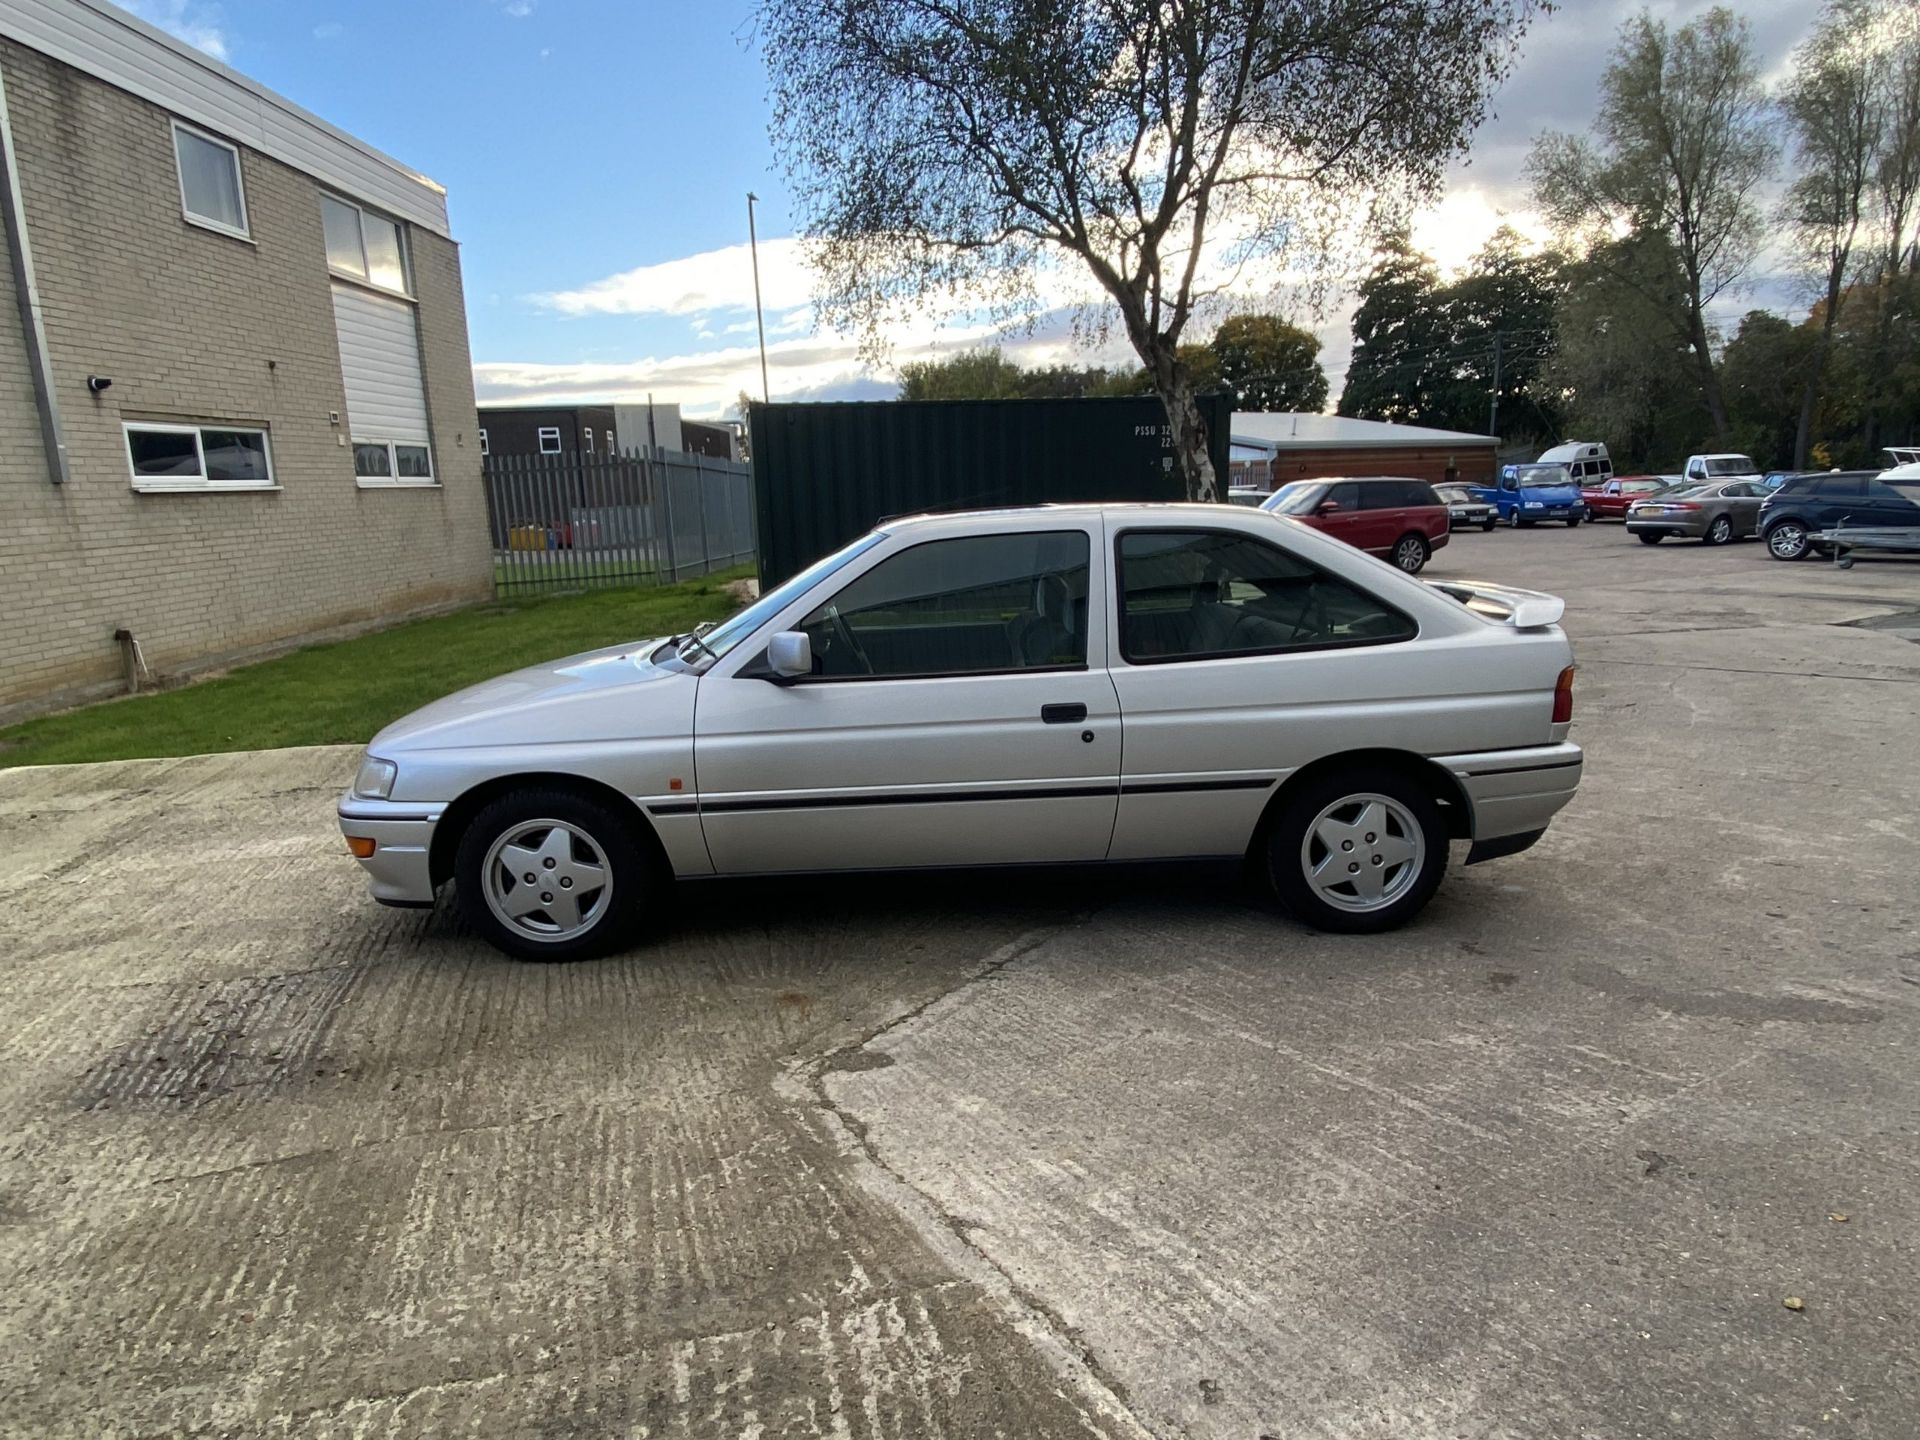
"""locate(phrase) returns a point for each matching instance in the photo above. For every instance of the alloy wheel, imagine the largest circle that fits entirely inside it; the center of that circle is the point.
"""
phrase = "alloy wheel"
(547, 880)
(1787, 540)
(1363, 852)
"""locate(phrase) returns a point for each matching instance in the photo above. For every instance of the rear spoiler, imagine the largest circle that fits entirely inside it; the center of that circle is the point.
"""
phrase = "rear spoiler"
(1522, 609)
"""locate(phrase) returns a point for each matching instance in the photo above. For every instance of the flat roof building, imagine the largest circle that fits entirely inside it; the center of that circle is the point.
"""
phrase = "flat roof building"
(1271, 448)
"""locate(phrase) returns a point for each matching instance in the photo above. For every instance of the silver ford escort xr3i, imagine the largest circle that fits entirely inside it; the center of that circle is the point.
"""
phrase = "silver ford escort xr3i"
(1066, 683)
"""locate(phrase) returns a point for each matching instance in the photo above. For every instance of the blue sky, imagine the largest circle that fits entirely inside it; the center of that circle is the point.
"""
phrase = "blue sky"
(597, 155)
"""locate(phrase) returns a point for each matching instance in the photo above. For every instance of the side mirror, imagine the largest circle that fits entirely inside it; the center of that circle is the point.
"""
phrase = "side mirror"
(1326, 507)
(790, 655)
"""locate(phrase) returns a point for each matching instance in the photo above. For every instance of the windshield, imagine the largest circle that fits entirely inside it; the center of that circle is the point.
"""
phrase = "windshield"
(1537, 475)
(1297, 498)
(1731, 465)
(721, 639)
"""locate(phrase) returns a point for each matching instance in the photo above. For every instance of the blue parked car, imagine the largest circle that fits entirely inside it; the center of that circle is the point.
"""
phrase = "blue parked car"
(1528, 493)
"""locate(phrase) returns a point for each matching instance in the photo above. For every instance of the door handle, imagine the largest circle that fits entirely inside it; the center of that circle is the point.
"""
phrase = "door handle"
(1063, 714)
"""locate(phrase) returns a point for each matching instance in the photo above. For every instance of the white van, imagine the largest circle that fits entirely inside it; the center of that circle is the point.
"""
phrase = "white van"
(1587, 459)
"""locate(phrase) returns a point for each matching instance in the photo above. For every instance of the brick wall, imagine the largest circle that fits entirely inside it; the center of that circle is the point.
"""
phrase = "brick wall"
(191, 324)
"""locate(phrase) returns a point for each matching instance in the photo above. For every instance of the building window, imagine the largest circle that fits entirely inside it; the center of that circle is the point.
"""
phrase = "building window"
(549, 439)
(211, 191)
(364, 245)
(198, 457)
(586, 441)
(483, 444)
(610, 445)
(392, 462)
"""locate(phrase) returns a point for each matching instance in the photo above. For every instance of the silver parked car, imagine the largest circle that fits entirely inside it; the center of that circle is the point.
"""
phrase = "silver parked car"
(1714, 513)
(1055, 684)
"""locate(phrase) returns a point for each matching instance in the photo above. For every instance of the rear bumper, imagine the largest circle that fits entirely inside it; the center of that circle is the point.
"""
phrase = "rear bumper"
(399, 870)
(1515, 792)
(1664, 526)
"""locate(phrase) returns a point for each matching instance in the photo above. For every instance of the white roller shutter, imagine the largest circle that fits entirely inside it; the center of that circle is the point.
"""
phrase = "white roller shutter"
(380, 358)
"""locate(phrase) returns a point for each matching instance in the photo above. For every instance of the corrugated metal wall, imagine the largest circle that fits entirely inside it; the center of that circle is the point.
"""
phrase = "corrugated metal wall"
(826, 473)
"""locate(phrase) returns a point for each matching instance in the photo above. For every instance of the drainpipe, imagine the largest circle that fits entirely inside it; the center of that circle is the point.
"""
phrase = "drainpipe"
(14, 210)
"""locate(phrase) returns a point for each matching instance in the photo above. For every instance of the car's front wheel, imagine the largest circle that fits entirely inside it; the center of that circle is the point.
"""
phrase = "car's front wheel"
(1358, 852)
(1787, 540)
(549, 874)
(1410, 553)
(1491, 521)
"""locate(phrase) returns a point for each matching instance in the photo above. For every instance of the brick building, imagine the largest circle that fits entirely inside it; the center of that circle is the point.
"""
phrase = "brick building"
(1270, 449)
(513, 429)
(236, 405)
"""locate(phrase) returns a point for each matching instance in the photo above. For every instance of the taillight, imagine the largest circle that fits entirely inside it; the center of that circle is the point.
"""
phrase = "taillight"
(1683, 505)
(1563, 697)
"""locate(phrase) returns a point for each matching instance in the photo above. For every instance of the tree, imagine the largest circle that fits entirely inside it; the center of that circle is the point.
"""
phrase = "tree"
(1618, 371)
(1763, 373)
(1399, 337)
(1269, 364)
(1499, 320)
(1893, 249)
(970, 375)
(1835, 104)
(950, 149)
(1681, 148)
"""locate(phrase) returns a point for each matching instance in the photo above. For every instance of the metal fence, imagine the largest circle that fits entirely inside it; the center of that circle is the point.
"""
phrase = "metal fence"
(646, 517)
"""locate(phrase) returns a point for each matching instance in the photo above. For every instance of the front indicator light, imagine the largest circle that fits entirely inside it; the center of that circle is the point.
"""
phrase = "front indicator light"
(360, 847)
(1563, 697)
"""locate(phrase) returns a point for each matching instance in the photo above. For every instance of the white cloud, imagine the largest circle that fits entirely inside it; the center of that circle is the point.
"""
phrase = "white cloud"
(712, 280)
(519, 9)
(331, 30)
(199, 25)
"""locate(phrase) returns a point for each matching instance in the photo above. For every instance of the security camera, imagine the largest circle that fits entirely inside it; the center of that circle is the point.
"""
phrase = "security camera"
(97, 383)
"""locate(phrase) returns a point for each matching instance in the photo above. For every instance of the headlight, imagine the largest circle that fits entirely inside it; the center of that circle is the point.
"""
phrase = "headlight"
(375, 780)
(1536, 504)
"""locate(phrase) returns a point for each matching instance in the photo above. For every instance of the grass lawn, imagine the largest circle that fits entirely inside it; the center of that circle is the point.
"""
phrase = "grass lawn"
(343, 692)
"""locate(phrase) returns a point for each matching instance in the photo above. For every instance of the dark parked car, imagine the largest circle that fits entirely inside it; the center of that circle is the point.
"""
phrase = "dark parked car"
(1807, 504)
(1398, 520)
(1463, 511)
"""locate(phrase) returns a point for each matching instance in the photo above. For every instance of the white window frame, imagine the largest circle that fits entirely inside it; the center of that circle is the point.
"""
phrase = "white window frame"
(484, 448)
(586, 438)
(611, 447)
(219, 227)
(367, 280)
(393, 479)
(545, 431)
(188, 484)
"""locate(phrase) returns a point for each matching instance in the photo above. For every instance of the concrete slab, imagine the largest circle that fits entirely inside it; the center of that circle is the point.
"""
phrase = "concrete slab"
(1050, 1153)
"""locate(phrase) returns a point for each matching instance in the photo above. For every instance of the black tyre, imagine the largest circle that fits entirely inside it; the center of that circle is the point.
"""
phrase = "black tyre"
(1720, 532)
(1357, 851)
(1491, 521)
(547, 873)
(1410, 552)
(1651, 537)
(1787, 540)
(1573, 522)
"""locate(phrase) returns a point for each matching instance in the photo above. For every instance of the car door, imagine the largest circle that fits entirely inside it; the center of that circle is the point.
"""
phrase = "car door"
(1742, 500)
(1345, 517)
(959, 712)
(1237, 661)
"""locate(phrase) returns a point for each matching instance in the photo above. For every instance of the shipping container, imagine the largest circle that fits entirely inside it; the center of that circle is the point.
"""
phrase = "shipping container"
(824, 474)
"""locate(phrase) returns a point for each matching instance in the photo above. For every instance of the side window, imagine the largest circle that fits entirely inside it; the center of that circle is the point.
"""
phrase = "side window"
(1880, 492)
(1418, 493)
(1197, 594)
(1346, 495)
(1834, 487)
(971, 605)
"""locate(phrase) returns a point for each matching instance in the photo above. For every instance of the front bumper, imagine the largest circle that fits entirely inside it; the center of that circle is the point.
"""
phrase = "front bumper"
(399, 871)
(1515, 792)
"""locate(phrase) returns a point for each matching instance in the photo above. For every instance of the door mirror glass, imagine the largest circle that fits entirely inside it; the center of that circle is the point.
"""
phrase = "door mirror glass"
(790, 654)
(1326, 507)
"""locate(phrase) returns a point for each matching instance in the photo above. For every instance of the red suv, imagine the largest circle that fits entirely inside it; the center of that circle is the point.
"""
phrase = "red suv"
(1398, 520)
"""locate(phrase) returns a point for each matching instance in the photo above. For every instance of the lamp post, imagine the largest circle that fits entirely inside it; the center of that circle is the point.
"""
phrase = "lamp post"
(759, 320)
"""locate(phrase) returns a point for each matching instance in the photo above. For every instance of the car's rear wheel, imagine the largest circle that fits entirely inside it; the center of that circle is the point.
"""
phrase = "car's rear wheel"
(1651, 537)
(1410, 552)
(1787, 540)
(1357, 851)
(549, 874)
(1720, 532)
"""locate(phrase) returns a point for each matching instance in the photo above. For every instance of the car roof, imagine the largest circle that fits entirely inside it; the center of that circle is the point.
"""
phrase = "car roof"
(1179, 509)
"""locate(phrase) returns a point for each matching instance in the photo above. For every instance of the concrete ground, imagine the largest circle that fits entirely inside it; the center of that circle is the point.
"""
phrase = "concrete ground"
(1028, 1155)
